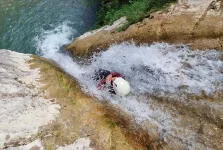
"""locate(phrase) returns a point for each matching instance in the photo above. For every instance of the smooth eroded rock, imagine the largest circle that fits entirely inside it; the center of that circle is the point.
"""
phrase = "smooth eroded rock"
(196, 23)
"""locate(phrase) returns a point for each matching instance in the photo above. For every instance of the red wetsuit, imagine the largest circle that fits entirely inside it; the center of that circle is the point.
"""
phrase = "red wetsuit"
(102, 82)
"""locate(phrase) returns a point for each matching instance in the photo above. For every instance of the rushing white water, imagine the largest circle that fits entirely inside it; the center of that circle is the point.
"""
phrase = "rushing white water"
(163, 67)
(157, 69)
(49, 45)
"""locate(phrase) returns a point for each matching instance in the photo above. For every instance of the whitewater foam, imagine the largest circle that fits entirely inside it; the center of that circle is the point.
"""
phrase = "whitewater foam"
(50, 45)
(163, 67)
(157, 69)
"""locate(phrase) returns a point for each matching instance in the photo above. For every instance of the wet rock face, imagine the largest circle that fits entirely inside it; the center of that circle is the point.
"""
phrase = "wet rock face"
(197, 23)
(23, 106)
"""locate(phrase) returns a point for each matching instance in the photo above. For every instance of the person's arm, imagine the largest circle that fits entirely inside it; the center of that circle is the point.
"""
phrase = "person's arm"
(100, 84)
(108, 79)
(116, 74)
(111, 76)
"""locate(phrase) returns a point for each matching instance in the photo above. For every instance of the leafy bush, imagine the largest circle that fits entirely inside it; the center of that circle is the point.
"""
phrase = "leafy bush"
(134, 10)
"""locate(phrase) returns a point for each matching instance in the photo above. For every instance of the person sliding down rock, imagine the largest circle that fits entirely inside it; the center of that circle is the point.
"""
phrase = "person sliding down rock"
(114, 81)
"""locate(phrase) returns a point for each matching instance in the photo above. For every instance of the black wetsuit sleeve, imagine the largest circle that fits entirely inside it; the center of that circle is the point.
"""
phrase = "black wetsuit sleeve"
(101, 74)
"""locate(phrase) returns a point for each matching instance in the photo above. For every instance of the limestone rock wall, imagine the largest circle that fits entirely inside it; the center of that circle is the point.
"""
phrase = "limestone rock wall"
(23, 106)
(196, 23)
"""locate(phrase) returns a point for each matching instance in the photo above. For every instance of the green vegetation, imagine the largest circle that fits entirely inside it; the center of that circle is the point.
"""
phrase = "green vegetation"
(134, 10)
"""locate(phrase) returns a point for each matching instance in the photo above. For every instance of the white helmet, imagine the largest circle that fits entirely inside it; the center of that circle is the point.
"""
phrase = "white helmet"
(121, 86)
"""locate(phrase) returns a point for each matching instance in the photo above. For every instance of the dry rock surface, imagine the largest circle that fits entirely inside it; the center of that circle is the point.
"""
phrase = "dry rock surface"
(23, 106)
(196, 23)
(35, 145)
(79, 144)
(82, 143)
